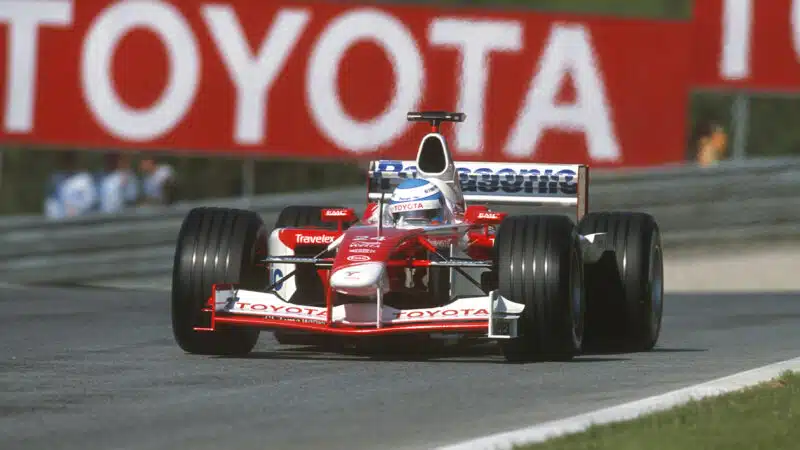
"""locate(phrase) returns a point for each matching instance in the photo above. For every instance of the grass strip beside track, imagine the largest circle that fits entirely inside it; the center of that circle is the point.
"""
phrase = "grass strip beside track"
(765, 416)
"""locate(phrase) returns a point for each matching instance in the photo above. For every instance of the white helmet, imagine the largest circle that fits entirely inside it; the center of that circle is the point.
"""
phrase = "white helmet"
(418, 202)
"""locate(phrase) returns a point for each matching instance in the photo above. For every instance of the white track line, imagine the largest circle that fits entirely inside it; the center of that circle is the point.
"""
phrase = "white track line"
(628, 411)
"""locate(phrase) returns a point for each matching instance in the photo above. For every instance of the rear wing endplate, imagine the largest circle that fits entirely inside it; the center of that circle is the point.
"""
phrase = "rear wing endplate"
(497, 183)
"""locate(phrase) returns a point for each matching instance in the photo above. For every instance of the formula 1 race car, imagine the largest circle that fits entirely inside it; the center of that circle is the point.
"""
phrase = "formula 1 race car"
(429, 256)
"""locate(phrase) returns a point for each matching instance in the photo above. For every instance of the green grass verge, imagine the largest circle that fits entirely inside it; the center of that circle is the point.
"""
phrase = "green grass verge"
(766, 416)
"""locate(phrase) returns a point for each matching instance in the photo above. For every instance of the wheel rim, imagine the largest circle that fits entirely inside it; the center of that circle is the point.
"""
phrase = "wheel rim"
(656, 280)
(576, 299)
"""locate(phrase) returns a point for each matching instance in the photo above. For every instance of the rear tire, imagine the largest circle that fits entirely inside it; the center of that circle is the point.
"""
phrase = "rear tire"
(309, 285)
(539, 264)
(625, 288)
(215, 246)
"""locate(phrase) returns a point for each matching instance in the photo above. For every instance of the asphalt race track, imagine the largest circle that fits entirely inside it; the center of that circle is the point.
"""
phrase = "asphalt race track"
(95, 368)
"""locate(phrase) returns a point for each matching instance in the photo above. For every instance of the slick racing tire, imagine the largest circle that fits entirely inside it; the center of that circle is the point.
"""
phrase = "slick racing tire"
(308, 282)
(538, 261)
(215, 246)
(625, 287)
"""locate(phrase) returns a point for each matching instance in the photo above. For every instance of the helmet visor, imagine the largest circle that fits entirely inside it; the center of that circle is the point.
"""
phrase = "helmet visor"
(421, 215)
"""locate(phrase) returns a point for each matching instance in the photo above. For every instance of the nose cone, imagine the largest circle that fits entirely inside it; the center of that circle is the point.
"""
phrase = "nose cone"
(361, 280)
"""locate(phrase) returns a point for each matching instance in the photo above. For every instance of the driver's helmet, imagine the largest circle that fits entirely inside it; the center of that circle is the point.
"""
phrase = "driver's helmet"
(417, 202)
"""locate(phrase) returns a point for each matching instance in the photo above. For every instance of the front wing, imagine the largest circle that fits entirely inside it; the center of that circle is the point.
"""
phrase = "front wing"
(492, 314)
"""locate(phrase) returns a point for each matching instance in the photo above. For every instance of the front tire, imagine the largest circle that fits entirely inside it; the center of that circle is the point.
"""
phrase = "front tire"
(625, 286)
(539, 264)
(215, 246)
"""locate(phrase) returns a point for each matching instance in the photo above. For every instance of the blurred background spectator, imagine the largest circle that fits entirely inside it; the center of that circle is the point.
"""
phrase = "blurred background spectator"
(709, 143)
(159, 184)
(118, 184)
(71, 190)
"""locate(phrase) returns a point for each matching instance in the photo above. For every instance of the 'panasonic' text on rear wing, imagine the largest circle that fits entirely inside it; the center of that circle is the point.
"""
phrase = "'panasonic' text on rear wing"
(497, 183)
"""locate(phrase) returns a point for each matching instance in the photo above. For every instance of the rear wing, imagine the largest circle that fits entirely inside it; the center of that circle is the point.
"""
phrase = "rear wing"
(497, 183)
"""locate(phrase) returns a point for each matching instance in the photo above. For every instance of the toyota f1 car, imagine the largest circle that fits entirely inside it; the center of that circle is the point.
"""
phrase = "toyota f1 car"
(541, 285)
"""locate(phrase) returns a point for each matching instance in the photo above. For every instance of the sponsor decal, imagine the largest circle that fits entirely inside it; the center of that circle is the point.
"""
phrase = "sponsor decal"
(362, 250)
(443, 312)
(304, 314)
(508, 180)
(404, 195)
(276, 278)
(281, 309)
(359, 258)
(489, 216)
(337, 213)
(295, 319)
(405, 198)
(314, 239)
(351, 274)
(365, 245)
(441, 242)
(410, 206)
(369, 238)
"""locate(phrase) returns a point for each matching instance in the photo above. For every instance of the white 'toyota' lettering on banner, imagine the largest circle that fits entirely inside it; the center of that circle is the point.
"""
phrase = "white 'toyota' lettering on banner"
(475, 40)
(236, 88)
(24, 17)
(105, 34)
(738, 29)
(253, 76)
(325, 105)
(568, 52)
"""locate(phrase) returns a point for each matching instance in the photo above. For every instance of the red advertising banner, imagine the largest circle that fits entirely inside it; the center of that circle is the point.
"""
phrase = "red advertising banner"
(316, 79)
(747, 44)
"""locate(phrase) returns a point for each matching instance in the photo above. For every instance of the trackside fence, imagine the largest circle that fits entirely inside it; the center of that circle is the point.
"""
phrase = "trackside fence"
(731, 203)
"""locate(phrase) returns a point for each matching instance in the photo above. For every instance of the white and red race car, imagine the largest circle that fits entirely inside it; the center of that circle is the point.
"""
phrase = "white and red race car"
(542, 285)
